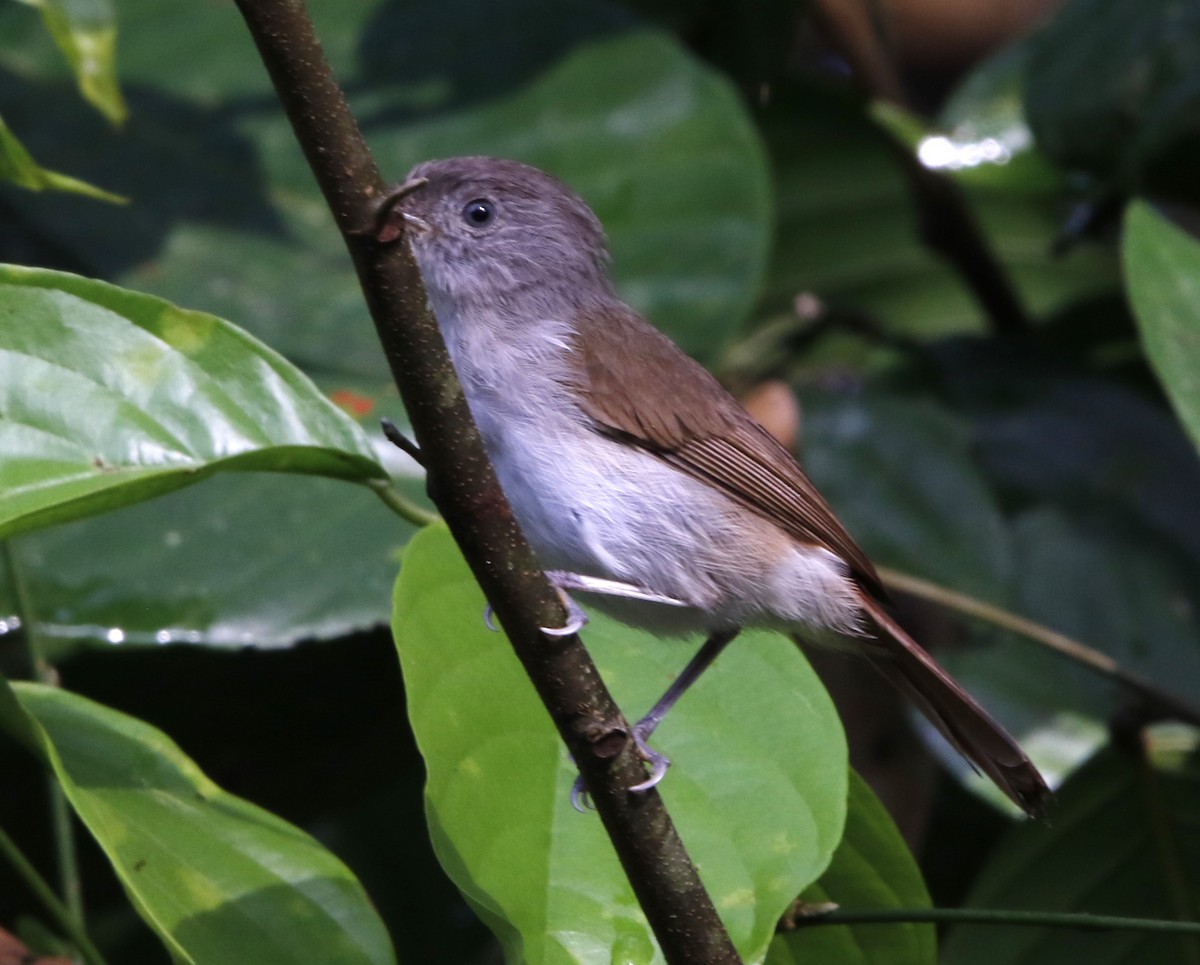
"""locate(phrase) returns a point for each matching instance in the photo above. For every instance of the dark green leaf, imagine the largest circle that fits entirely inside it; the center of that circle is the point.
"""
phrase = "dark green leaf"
(1162, 267)
(757, 788)
(110, 397)
(225, 215)
(847, 229)
(246, 560)
(902, 476)
(1123, 839)
(1104, 536)
(218, 879)
(871, 869)
(1113, 87)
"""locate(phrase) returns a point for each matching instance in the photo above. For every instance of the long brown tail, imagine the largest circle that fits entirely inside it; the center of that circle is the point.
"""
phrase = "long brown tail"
(954, 712)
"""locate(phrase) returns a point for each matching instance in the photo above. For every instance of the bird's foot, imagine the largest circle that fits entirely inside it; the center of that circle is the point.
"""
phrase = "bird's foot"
(657, 761)
(576, 618)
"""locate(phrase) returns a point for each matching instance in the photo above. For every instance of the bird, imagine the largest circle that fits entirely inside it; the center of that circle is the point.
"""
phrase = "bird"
(637, 479)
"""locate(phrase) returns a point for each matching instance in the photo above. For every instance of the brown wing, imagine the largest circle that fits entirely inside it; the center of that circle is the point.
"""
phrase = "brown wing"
(641, 388)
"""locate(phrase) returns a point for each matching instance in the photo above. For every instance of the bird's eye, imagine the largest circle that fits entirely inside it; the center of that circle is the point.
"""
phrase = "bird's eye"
(479, 212)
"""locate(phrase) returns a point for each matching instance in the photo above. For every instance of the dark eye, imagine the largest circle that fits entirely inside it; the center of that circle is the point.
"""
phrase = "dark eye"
(479, 212)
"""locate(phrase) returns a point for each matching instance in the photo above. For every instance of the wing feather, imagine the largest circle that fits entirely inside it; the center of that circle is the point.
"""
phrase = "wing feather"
(641, 388)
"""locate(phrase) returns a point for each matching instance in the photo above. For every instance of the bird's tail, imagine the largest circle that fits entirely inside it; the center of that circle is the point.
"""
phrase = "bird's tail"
(953, 711)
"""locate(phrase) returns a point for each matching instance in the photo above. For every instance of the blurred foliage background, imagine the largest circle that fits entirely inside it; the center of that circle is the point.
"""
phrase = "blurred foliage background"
(897, 228)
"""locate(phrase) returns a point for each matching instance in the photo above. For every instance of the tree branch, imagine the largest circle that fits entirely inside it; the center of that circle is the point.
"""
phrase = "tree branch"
(1158, 703)
(945, 221)
(662, 875)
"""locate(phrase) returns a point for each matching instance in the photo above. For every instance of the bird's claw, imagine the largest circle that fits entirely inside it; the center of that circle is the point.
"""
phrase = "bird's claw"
(659, 763)
(487, 619)
(576, 618)
(579, 797)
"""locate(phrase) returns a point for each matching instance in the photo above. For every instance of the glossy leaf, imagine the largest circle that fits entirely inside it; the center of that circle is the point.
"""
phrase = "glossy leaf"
(18, 167)
(757, 788)
(110, 397)
(1162, 265)
(86, 34)
(985, 123)
(259, 560)
(246, 560)
(872, 869)
(847, 228)
(1124, 839)
(226, 217)
(217, 878)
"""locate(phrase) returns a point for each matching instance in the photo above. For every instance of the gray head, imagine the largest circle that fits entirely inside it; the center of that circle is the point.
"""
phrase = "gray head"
(491, 231)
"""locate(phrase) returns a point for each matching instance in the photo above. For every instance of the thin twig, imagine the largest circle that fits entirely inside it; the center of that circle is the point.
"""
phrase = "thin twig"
(1161, 701)
(401, 441)
(663, 877)
(990, 916)
(68, 924)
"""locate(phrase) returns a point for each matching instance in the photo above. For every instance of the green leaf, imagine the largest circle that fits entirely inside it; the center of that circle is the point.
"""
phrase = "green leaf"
(901, 475)
(847, 227)
(198, 576)
(18, 166)
(246, 560)
(86, 34)
(1162, 268)
(217, 878)
(1103, 486)
(108, 397)
(226, 217)
(1113, 87)
(872, 869)
(757, 790)
(984, 120)
(1123, 839)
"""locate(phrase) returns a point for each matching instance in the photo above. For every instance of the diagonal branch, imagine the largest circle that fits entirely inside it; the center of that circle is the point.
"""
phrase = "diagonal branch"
(1158, 703)
(663, 877)
(945, 220)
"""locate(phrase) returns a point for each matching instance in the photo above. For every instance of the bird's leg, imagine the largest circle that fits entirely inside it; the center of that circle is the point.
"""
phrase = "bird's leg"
(642, 730)
(576, 618)
(594, 584)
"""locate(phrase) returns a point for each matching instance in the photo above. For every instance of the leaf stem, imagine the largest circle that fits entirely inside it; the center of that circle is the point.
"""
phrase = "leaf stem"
(69, 878)
(1159, 700)
(67, 921)
(994, 916)
(401, 505)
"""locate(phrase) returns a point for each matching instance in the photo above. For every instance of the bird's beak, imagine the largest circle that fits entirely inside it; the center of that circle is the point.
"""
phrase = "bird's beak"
(386, 230)
(419, 223)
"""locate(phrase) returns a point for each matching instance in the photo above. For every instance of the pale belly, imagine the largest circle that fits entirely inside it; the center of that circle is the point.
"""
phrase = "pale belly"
(622, 514)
